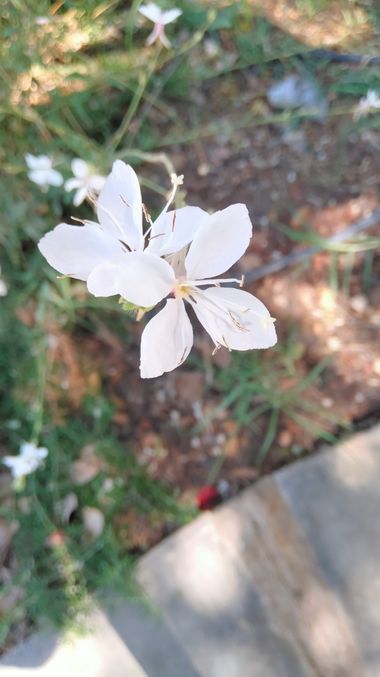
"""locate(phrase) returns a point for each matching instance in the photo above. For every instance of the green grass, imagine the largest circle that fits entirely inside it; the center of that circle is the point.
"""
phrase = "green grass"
(258, 390)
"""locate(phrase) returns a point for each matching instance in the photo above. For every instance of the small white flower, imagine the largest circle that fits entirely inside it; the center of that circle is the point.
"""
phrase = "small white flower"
(367, 104)
(85, 181)
(29, 459)
(112, 258)
(233, 317)
(3, 286)
(110, 255)
(160, 19)
(42, 172)
(42, 20)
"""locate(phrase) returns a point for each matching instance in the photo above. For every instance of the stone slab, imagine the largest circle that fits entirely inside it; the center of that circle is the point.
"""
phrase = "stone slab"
(213, 609)
(150, 640)
(98, 653)
(334, 498)
(260, 533)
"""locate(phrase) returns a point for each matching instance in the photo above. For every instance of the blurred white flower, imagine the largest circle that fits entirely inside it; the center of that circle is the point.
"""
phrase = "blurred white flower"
(160, 19)
(85, 181)
(42, 172)
(367, 104)
(29, 459)
(233, 317)
(110, 255)
(3, 286)
(42, 20)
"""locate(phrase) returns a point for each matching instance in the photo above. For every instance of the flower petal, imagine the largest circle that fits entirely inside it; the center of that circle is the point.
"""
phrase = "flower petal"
(54, 178)
(30, 450)
(170, 15)
(142, 279)
(37, 161)
(151, 11)
(234, 318)
(166, 340)
(219, 243)
(77, 250)
(155, 34)
(80, 168)
(164, 39)
(119, 206)
(79, 196)
(174, 230)
(72, 184)
(45, 177)
(96, 182)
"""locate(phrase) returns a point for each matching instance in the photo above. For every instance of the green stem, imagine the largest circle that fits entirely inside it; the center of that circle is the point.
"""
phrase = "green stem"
(133, 106)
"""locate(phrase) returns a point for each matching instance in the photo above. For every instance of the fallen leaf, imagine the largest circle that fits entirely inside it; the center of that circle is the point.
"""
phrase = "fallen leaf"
(66, 507)
(87, 466)
(93, 522)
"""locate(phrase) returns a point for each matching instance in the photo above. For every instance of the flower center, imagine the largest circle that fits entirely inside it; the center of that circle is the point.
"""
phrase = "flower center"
(183, 290)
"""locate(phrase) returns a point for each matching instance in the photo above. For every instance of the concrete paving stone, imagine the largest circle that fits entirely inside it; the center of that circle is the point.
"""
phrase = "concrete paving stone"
(212, 608)
(335, 499)
(98, 653)
(150, 641)
(258, 530)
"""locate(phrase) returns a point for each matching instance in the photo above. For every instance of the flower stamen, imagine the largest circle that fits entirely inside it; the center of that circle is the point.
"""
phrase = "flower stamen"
(216, 282)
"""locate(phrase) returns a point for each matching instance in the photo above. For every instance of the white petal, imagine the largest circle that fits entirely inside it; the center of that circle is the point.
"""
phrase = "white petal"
(37, 161)
(54, 178)
(174, 230)
(16, 465)
(234, 318)
(31, 453)
(164, 39)
(166, 340)
(96, 183)
(220, 242)
(42, 452)
(170, 15)
(152, 12)
(38, 176)
(144, 279)
(80, 168)
(77, 250)
(72, 184)
(10, 461)
(119, 206)
(79, 196)
(154, 35)
(3, 288)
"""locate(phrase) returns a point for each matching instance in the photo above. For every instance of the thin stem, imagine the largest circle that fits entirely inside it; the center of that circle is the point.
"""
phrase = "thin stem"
(133, 106)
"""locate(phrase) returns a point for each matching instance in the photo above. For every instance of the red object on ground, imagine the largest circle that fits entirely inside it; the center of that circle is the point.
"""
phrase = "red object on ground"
(207, 497)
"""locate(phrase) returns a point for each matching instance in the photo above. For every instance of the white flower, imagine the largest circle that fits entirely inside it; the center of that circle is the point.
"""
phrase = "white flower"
(3, 286)
(42, 172)
(110, 255)
(367, 104)
(85, 181)
(160, 19)
(233, 318)
(29, 459)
